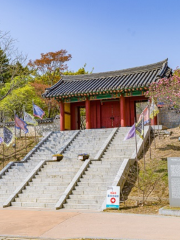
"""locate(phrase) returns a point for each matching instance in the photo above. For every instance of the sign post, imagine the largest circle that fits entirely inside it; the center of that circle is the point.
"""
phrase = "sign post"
(112, 197)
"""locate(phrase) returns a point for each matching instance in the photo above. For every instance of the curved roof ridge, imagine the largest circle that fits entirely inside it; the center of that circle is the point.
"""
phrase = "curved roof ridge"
(114, 73)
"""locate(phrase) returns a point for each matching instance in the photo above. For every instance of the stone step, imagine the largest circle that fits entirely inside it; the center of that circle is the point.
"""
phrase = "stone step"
(33, 205)
(117, 159)
(3, 199)
(63, 168)
(8, 177)
(7, 184)
(82, 206)
(37, 200)
(60, 176)
(17, 170)
(40, 195)
(50, 181)
(64, 163)
(43, 189)
(104, 162)
(117, 154)
(87, 191)
(94, 175)
(89, 178)
(53, 183)
(7, 191)
(85, 201)
(103, 167)
(93, 184)
(87, 197)
(101, 171)
(4, 195)
(118, 151)
(120, 146)
(57, 172)
(91, 188)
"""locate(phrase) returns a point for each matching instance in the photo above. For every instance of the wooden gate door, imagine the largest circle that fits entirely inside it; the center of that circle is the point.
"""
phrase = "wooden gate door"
(110, 114)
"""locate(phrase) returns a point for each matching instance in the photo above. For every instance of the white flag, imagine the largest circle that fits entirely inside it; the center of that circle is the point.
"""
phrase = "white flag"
(29, 119)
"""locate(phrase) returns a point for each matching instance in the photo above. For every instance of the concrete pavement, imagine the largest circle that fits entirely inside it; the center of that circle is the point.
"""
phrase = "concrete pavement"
(66, 224)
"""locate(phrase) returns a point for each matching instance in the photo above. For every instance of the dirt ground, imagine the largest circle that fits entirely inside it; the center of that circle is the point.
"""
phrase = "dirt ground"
(23, 146)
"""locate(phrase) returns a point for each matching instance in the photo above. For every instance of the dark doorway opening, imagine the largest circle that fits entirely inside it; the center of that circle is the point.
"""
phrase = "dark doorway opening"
(81, 117)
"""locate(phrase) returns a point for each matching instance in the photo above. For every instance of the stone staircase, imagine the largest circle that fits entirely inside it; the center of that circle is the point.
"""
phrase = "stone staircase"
(19, 171)
(54, 177)
(90, 191)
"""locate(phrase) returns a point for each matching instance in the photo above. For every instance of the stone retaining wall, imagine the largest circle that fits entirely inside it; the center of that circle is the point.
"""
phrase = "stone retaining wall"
(169, 118)
(43, 128)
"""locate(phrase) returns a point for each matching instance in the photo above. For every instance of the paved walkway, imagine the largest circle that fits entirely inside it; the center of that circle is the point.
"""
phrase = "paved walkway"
(63, 224)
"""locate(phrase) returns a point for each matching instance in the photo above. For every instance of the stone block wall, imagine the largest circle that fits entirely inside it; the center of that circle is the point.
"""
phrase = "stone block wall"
(44, 127)
(169, 118)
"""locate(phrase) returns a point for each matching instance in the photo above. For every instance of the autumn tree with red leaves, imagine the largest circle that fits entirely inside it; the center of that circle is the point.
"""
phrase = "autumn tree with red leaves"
(47, 71)
(51, 65)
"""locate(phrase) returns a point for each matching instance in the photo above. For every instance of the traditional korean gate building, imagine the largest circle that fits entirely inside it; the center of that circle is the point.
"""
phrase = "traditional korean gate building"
(109, 98)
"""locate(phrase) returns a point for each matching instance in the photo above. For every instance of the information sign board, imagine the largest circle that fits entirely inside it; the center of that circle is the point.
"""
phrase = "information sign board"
(112, 197)
(174, 181)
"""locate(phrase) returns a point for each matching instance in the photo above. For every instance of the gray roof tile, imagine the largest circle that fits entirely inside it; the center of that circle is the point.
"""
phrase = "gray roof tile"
(115, 80)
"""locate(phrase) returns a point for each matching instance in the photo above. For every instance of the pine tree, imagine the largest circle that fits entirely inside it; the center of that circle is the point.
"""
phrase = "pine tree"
(4, 67)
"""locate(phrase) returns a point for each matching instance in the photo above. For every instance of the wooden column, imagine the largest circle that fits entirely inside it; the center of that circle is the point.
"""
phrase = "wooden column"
(154, 121)
(61, 116)
(88, 118)
(122, 112)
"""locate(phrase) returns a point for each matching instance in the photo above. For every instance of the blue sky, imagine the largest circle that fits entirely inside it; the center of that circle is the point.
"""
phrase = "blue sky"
(105, 34)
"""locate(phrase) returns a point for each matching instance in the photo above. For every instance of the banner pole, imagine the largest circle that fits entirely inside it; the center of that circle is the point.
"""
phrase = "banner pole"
(136, 156)
(149, 132)
(3, 156)
(15, 132)
(154, 128)
(3, 140)
(158, 125)
(143, 147)
(35, 134)
(34, 126)
(25, 133)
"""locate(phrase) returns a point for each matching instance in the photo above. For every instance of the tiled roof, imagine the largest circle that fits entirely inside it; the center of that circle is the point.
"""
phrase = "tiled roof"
(114, 80)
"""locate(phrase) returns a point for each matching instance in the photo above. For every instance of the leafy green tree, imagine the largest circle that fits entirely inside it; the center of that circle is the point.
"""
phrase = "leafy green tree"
(18, 98)
(11, 65)
(79, 71)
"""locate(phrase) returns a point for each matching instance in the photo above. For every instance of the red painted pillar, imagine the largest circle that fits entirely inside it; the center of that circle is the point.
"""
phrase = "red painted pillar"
(88, 118)
(61, 116)
(154, 121)
(122, 112)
